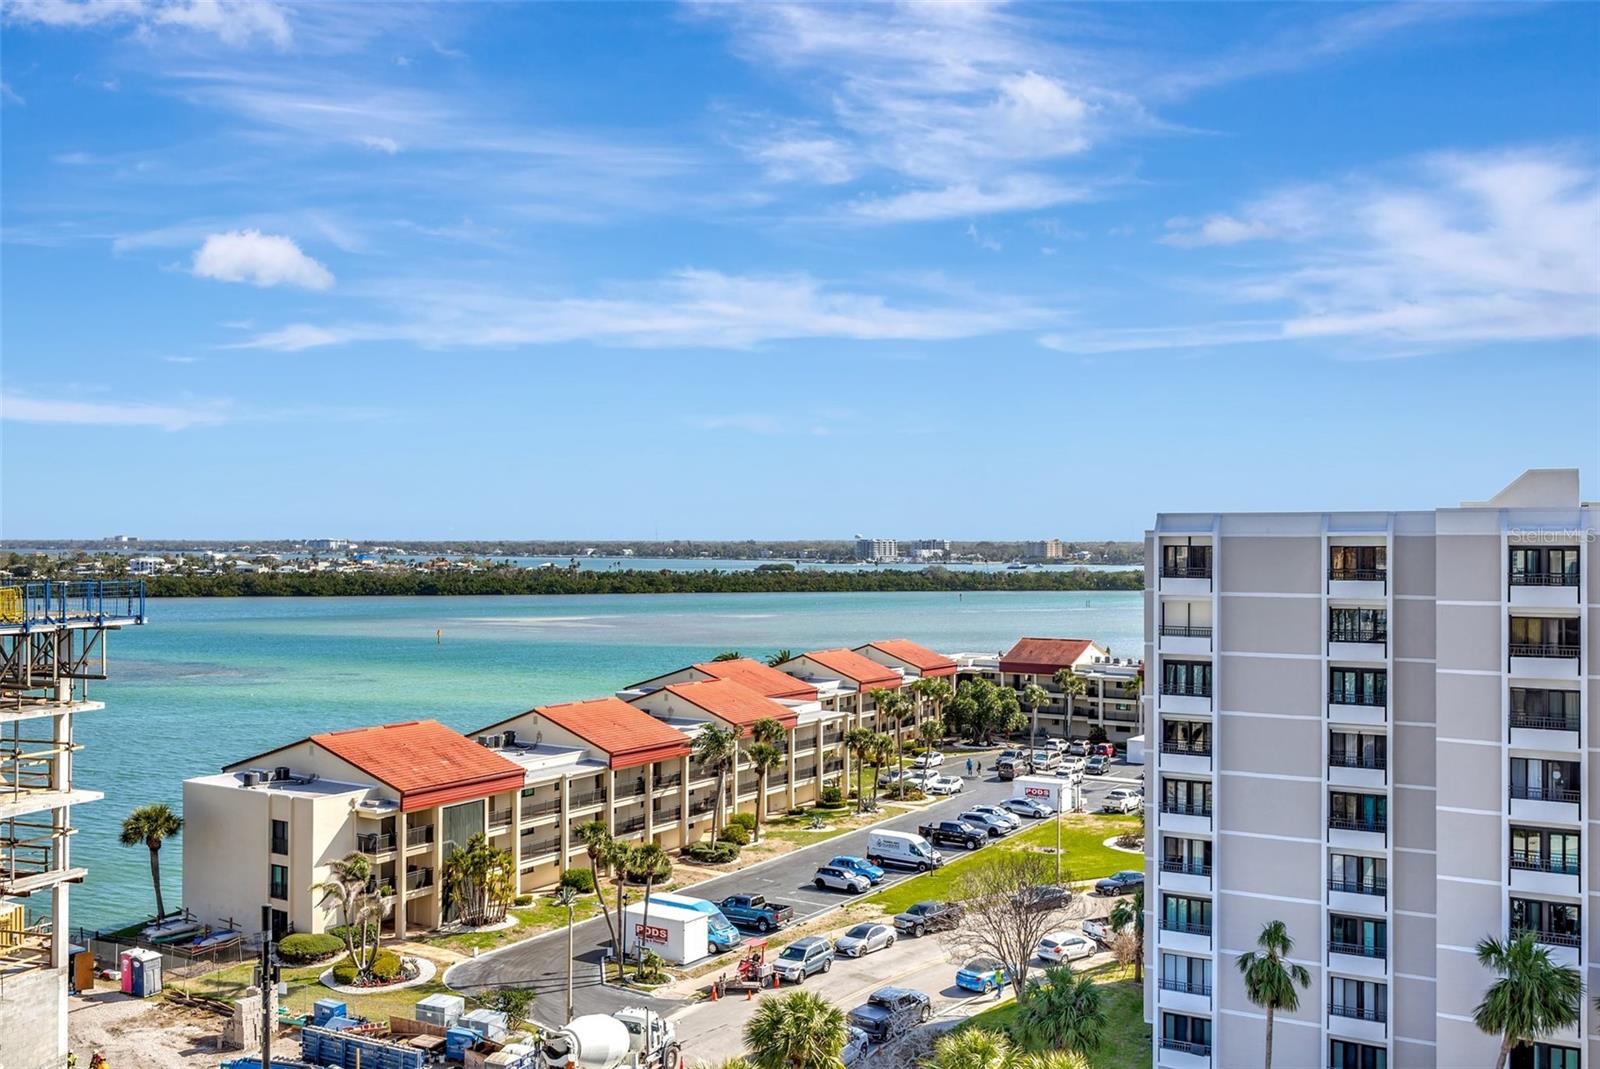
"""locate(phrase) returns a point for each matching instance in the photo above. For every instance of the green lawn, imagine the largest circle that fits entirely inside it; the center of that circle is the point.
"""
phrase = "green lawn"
(1083, 858)
(794, 829)
(542, 915)
(304, 990)
(1127, 1038)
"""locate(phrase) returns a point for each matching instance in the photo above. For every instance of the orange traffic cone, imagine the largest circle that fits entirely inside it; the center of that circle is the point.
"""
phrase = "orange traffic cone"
(749, 993)
(777, 981)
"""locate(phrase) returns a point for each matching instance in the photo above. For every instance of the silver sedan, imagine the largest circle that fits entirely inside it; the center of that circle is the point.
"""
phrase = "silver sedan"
(864, 939)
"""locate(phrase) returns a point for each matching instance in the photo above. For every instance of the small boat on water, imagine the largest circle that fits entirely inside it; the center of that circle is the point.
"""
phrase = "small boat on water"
(1016, 566)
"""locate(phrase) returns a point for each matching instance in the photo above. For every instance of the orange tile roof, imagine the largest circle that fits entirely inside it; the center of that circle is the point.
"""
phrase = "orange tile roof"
(629, 736)
(732, 703)
(764, 680)
(866, 675)
(921, 658)
(426, 762)
(1043, 656)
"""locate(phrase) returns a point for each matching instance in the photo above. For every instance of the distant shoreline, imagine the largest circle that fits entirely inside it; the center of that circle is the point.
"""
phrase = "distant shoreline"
(629, 581)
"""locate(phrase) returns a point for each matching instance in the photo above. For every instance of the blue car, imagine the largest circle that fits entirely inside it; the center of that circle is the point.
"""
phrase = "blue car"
(858, 865)
(982, 974)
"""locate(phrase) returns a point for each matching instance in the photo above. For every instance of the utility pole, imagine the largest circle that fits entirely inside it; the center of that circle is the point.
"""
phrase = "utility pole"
(267, 976)
(1060, 793)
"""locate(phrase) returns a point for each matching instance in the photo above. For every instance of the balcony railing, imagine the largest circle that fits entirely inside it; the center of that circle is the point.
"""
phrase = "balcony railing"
(499, 818)
(1358, 634)
(373, 842)
(1184, 1046)
(1544, 579)
(833, 765)
(1358, 575)
(1186, 927)
(1357, 824)
(533, 810)
(1185, 866)
(1185, 987)
(1565, 866)
(1351, 698)
(1186, 690)
(702, 805)
(1542, 649)
(1199, 748)
(777, 779)
(579, 801)
(1352, 759)
(631, 825)
(1532, 792)
(674, 780)
(541, 848)
(666, 816)
(1358, 950)
(416, 837)
(417, 879)
(1186, 571)
(1187, 809)
(1184, 631)
(1544, 721)
(1559, 939)
(1359, 1013)
(1377, 886)
(632, 790)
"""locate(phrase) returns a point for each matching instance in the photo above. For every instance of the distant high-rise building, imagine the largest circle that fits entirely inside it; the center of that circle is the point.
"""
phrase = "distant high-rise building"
(877, 549)
(1049, 549)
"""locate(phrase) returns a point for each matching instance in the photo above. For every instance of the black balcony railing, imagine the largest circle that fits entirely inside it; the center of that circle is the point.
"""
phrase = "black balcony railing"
(666, 816)
(777, 779)
(543, 808)
(1359, 634)
(1359, 1013)
(1356, 759)
(1186, 690)
(375, 842)
(1187, 809)
(579, 801)
(1184, 631)
(631, 825)
(1358, 824)
(1184, 1046)
(499, 818)
(1185, 987)
(632, 790)
(540, 848)
(1533, 792)
(1196, 747)
(1358, 575)
(1358, 950)
(1544, 721)
(417, 879)
(1544, 579)
(1352, 698)
(1376, 886)
(422, 836)
(1560, 866)
(1559, 939)
(1542, 649)
(1185, 927)
(674, 780)
(1186, 571)
(702, 805)
(1185, 866)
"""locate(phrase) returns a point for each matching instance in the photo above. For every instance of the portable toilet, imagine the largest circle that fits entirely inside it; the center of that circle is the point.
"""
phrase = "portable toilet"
(326, 1008)
(125, 970)
(457, 1041)
(141, 976)
(442, 1010)
(488, 1024)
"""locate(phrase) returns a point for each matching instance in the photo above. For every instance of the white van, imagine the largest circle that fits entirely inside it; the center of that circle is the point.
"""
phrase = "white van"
(902, 849)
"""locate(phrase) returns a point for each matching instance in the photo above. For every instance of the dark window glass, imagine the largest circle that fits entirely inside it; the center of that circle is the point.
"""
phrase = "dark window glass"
(1365, 563)
(278, 882)
(1358, 686)
(1358, 935)
(1358, 625)
(280, 836)
(1342, 1054)
(1186, 677)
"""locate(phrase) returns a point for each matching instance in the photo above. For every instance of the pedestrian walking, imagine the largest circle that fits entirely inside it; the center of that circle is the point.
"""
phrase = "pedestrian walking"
(999, 984)
(969, 768)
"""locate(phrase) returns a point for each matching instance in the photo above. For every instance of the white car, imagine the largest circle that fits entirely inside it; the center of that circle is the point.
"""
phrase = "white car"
(928, 760)
(831, 877)
(1074, 762)
(999, 814)
(995, 826)
(1123, 800)
(943, 785)
(912, 776)
(856, 1047)
(1058, 947)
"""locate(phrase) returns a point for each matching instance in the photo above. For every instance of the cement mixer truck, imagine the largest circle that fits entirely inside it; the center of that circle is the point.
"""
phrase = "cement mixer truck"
(631, 1038)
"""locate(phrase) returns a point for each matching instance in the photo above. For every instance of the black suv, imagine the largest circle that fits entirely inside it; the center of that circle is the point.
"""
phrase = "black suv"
(890, 1012)
(928, 917)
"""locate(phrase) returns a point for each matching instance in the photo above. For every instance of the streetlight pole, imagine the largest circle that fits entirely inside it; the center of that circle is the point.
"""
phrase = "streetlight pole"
(566, 896)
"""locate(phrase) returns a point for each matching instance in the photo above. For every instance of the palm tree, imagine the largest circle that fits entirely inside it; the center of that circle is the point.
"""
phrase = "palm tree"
(1270, 978)
(933, 693)
(479, 882)
(150, 826)
(860, 741)
(728, 655)
(620, 859)
(567, 897)
(597, 841)
(1033, 696)
(1072, 686)
(882, 750)
(1064, 1011)
(896, 706)
(796, 1031)
(1532, 997)
(648, 865)
(765, 757)
(971, 1048)
(1131, 912)
(778, 658)
(717, 748)
(930, 732)
(361, 906)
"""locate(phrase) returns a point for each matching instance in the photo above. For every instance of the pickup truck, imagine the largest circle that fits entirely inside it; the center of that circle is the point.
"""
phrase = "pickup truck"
(1099, 929)
(927, 917)
(754, 911)
(953, 832)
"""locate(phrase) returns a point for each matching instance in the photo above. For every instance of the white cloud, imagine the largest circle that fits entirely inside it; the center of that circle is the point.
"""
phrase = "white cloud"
(11, 96)
(805, 158)
(19, 408)
(260, 259)
(387, 145)
(690, 307)
(980, 239)
(1022, 192)
(233, 22)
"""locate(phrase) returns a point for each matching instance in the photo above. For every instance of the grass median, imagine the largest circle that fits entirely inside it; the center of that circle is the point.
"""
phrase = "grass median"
(1126, 1042)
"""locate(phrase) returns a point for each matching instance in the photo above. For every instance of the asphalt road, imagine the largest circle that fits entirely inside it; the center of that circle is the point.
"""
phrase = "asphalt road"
(540, 963)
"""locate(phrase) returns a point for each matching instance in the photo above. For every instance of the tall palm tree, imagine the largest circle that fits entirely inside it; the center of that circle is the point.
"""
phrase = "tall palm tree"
(765, 757)
(717, 748)
(931, 731)
(1131, 912)
(600, 846)
(1064, 1011)
(479, 882)
(1033, 696)
(1532, 997)
(620, 859)
(1270, 979)
(796, 1031)
(350, 886)
(860, 742)
(649, 865)
(971, 1048)
(150, 826)
(567, 897)
(1072, 687)
(1134, 688)
(895, 706)
(933, 693)
(778, 658)
(882, 751)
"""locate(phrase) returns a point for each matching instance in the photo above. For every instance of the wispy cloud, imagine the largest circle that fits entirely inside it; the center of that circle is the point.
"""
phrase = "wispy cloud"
(21, 408)
(260, 259)
(691, 307)
(233, 22)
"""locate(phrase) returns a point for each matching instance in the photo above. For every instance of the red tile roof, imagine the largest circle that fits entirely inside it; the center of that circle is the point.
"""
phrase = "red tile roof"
(921, 658)
(1043, 656)
(628, 735)
(866, 675)
(753, 675)
(732, 703)
(426, 762)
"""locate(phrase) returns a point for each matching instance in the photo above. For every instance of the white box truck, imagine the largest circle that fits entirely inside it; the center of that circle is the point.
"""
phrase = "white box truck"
(1135, 750)
(679, 935)
(903, 850)
(1057, 793)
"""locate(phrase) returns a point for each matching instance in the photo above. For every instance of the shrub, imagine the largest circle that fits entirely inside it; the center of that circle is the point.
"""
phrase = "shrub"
(523, 900)
(710, 853)
(747, 821)
(737, 834)
(303, 948)
(1097, 734)
(831, 796)
(385, 969)
(580, 880)
(342, 931)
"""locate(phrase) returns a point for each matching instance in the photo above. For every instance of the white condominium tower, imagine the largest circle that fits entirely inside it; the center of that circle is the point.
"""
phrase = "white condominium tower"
(1375, 728)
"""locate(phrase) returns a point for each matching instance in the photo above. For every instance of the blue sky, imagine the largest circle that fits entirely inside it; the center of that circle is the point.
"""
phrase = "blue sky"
(710, 270)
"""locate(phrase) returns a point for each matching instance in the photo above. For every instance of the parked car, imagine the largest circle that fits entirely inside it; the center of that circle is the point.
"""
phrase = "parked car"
(1026, 807)
(1120, 883)
(1008, 767)
(912, 776)
(858, 865)
(1059, 947)
(1123, 800)
(943, 785)
(999, 814)
(993, 826)
(982, 974)
(803, 957)
(954, 832)
(855, 1049)
(1078, 747)
(902, 849)
(925, 917)
(1099, 930)
(1044, 760)
(1046, 896)
(831, 878)
(1074, 762)
(754, 911)
(1097, 765)
(932, 759)
(1070, 775)
(1010, 755)
(864, 939)
(890, 1012)
(1105, 749)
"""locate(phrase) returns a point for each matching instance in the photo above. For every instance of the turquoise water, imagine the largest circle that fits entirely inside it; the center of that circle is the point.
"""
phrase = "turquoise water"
(213, 680)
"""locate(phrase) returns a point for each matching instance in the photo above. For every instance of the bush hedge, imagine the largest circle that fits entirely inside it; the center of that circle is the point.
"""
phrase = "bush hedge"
(710, 853)
(831, 797)
(747, 821)
(385, 969)
(303, 948)
(736, 834)
(580, 880)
